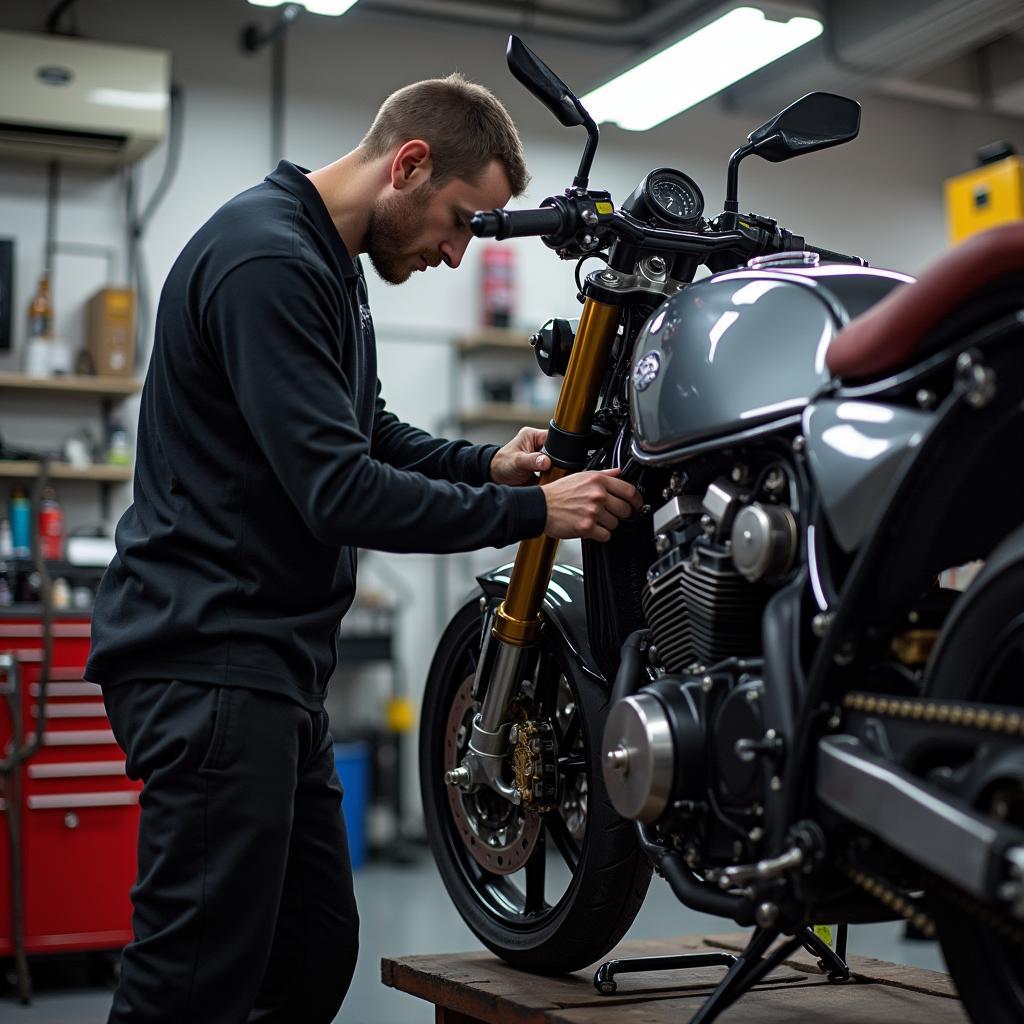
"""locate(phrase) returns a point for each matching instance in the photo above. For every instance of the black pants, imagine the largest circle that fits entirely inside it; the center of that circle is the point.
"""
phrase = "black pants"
(243, 905)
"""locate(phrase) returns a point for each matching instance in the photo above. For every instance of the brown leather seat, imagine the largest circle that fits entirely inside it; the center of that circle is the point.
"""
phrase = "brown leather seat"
(886, 337)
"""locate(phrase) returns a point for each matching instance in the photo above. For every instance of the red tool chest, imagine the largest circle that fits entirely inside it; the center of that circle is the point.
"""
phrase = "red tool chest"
(79, 811)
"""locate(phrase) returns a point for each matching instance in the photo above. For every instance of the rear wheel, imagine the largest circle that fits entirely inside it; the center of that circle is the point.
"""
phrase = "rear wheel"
(551, 890)
(980, 656)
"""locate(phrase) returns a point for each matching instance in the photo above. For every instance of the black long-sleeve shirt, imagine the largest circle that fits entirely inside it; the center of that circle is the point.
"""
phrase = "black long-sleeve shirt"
(265, 456)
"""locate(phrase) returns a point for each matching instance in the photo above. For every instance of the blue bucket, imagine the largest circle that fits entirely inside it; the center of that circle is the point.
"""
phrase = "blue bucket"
(352, 761)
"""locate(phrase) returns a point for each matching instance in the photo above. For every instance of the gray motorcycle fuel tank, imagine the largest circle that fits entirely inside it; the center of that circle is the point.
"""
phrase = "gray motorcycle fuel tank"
(739, 351)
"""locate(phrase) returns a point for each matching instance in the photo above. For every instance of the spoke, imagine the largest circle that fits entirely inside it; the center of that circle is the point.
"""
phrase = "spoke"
(535, 876)
(575, 763)
(564, 841)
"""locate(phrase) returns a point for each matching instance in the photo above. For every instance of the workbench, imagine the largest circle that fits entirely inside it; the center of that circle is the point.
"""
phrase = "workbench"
(477, 988)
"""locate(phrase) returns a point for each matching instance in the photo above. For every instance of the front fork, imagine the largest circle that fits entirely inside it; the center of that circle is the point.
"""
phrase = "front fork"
(517, 620)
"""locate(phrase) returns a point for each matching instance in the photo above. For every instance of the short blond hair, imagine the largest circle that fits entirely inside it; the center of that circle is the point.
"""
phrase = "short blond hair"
(465, 125)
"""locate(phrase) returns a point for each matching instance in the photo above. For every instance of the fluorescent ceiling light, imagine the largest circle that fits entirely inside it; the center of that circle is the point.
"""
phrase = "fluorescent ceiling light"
(332, 7)
(697, 67)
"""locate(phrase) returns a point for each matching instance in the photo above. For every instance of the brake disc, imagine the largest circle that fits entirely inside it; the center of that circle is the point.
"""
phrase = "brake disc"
(498, 835)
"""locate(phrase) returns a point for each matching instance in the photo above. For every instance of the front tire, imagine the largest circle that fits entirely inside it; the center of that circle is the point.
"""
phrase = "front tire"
(577, 877)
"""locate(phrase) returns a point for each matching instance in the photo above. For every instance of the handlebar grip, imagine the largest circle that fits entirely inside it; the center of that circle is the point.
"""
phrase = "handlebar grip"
(829, 256)
(516, 223)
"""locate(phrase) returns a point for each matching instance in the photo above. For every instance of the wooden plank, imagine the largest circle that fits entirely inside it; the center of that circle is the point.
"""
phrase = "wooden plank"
(858, 1003)
(478, 987)
(483, 987)
(103, 387)
(443, 1016)
(865, 968)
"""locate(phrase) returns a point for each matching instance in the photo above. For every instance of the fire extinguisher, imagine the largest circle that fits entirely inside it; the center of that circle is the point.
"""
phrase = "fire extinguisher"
(499, 285)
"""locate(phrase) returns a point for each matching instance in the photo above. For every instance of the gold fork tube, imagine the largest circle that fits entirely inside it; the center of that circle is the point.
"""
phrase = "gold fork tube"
(517, 620)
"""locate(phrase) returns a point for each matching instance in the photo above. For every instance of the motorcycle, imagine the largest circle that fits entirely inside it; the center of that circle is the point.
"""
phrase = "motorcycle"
(757, 687)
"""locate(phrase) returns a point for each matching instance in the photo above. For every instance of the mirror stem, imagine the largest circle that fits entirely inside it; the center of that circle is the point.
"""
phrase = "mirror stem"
(593, 134)
(732, 179)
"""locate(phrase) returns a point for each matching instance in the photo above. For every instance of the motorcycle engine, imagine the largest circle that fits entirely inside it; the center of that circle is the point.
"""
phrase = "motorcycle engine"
(685, 751)
(705, 595)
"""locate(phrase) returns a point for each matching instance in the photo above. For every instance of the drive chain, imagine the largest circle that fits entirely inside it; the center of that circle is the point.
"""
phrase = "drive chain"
(955, 713)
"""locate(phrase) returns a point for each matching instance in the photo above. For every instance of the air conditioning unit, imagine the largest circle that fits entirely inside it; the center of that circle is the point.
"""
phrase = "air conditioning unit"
(80, 101)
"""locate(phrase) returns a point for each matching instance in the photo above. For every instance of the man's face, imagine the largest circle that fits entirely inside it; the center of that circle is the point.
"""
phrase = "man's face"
(415, 228)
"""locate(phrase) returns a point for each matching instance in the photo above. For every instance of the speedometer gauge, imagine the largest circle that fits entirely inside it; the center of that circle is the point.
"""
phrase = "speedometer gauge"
(672, 196)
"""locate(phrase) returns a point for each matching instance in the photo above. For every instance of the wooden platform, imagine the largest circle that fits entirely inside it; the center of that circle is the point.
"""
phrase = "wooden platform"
(476, 988)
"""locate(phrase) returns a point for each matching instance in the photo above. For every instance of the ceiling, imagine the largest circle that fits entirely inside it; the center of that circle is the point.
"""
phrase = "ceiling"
(967, 54)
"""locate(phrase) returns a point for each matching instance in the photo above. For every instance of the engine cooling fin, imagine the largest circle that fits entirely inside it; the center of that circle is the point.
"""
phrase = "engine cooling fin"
(701, 610)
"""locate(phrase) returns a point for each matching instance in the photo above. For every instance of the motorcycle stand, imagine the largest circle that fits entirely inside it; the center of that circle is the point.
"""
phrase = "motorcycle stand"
(745, 970)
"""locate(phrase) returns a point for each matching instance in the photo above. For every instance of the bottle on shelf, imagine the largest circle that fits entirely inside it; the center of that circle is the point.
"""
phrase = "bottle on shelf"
(38, 349)
(6, 590)
(21, 523)
(119, 450)
(51, 525)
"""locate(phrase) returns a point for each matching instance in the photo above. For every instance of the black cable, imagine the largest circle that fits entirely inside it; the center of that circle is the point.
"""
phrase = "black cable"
(139, 222)
(278, 75)
(581, 261)
(53, 19)
(52, 202)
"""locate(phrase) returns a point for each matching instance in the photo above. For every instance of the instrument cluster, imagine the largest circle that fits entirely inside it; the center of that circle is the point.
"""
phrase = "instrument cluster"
(668, 198)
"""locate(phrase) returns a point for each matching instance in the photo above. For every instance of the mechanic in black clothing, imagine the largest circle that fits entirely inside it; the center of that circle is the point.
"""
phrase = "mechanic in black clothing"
(265, 458)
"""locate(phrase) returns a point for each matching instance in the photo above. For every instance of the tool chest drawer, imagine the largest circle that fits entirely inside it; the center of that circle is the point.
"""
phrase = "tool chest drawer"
(79, 811)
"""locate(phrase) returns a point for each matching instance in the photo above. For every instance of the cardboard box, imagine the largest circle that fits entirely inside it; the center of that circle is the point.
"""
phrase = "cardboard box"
(110, 332)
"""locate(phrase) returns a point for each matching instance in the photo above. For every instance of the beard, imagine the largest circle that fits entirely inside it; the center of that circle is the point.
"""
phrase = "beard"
(394, 225)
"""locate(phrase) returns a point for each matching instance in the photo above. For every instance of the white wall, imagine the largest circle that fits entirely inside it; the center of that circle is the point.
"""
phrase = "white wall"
(879, 197)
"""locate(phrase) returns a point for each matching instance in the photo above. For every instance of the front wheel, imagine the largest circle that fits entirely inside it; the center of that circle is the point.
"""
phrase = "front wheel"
(548, 890)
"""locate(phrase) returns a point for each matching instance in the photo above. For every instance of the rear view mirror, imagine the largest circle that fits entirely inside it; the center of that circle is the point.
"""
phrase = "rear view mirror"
(815, 121)
(532, 72)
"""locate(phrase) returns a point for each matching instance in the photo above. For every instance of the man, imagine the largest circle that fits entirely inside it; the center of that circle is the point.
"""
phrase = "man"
(265, 457)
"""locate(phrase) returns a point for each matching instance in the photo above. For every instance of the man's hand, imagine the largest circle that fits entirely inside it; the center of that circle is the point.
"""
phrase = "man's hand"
(589, 504)
(517, 462)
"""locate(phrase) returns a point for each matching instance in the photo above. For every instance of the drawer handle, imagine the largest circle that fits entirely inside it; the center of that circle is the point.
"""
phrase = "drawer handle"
(78, 738)
(75, 769)
(48, 801)
(71, 820)
(80, 709)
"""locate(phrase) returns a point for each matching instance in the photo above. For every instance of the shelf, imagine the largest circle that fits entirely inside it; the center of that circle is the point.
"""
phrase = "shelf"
(495, 339)
(17, 470)
(100, 387)
(506, 414)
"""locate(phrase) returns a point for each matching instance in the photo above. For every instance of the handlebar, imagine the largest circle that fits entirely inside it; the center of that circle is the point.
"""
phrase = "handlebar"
(580, 222)
(516, 223)
(831, 256)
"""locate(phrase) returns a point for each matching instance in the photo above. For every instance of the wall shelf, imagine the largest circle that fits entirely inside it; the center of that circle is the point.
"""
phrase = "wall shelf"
(506, 415)
(494, 339)
(99, 387)
(24, 470)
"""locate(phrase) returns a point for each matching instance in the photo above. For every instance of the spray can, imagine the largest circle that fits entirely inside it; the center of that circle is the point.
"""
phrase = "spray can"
(499, 285)
(51, 525)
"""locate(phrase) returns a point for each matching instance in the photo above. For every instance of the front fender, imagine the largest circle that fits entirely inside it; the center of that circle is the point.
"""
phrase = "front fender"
(564, 609)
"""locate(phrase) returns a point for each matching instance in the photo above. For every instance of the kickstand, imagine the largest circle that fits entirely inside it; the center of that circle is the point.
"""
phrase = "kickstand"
(833, 962)
(745, 970)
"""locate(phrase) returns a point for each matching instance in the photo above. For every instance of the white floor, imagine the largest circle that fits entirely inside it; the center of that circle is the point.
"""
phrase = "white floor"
(405, 910)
